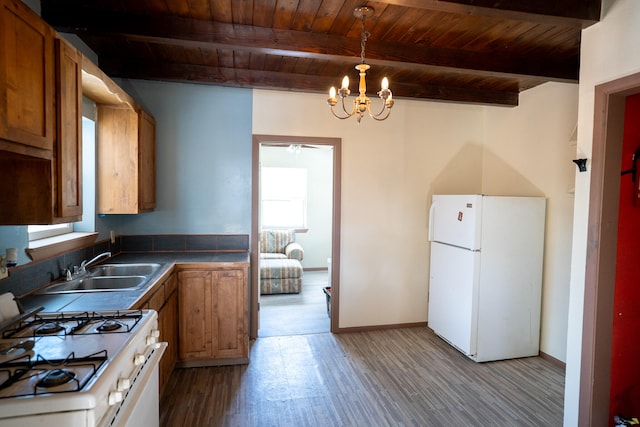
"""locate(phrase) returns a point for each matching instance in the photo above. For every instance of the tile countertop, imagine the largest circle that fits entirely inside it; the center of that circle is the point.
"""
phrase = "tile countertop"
(115, 300)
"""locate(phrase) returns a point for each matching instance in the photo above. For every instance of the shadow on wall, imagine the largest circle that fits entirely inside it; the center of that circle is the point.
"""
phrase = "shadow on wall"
(475, 170)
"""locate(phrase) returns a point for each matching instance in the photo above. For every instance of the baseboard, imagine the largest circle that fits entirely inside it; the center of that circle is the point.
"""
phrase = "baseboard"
(553, 360)
(380, 327)
(315, 269)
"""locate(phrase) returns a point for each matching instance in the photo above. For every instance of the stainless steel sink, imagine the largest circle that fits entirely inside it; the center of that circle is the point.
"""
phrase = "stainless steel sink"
(134, 269)
(97, 284)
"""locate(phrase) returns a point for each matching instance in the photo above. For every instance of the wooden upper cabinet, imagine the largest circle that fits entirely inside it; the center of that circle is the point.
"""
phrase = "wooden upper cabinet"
(27, 78)
(147, 158)
(48, 189)
(126, 160)
(68, 144)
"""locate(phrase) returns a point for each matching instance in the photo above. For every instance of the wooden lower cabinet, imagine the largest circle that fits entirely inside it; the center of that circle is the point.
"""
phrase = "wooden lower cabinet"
(213, 316)
(164, 301)
(168, 324)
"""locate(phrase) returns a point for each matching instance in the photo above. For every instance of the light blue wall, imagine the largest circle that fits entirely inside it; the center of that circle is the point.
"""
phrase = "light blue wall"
(203, 159)
(203, 164)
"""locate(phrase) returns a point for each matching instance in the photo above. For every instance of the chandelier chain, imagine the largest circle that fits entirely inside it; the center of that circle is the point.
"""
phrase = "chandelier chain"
(363, 40)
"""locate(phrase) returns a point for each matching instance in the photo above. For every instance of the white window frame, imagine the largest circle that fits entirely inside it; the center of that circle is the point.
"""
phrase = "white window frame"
(37, 232)
(283, 194)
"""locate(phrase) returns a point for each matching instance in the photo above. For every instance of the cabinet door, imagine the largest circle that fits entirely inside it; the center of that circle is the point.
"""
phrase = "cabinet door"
(168, 321)
(126, 161)
(147, 161)
(117, 160)
(69, 132)
(195, 314)
(230, 316)
(27, 80)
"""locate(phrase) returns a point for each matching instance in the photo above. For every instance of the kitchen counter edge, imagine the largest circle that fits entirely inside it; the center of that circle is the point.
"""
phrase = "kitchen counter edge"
(119, 300)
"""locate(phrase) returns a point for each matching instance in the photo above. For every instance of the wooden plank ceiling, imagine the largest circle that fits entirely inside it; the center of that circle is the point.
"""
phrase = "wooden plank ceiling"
(469, 51)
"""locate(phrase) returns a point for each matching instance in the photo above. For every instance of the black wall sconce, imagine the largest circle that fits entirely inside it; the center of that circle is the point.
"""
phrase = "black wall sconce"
(582, 164)
(633, 171)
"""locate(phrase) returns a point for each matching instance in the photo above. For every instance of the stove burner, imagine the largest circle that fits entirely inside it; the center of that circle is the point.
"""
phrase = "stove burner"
(109, 325)
(16, 347)
(49, 328)
(56, 377)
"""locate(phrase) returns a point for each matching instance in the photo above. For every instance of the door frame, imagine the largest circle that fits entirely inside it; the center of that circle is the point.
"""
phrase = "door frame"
(336, 143)
(602, 240)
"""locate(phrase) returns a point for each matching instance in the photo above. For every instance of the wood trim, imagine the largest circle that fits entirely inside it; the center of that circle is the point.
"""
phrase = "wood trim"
(99, 87)
(211, 362)
(378, 327)
(60, 245)
(202, 34)
(553, 360)
(336, 143)
(581, 14)
(602, 236)
(254, 255)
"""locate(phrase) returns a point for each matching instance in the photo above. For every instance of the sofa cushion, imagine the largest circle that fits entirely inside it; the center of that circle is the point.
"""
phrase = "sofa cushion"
(275, 241)
(280, 286)
(271, 255)
(280, 269)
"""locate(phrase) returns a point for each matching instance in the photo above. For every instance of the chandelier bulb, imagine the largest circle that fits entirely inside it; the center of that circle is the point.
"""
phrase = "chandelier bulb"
(345, 82)
(332, 92)
(385, 84)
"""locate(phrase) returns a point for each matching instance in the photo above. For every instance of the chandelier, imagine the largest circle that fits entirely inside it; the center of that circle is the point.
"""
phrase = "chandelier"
(362, 103)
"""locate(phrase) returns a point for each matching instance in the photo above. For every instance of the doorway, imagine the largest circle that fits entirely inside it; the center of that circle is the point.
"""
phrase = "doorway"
(600, 273)
(272, 142)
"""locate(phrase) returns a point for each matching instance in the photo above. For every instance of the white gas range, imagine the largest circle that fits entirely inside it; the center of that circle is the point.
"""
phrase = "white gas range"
(80, 369)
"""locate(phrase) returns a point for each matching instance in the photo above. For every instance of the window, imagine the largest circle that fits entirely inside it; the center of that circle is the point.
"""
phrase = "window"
(284, 197)
(37, 232)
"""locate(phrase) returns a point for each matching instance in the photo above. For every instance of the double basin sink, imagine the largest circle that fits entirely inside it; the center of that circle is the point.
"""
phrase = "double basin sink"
(107, 277)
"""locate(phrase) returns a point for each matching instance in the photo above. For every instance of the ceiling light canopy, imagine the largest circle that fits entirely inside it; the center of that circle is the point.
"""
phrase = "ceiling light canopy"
(362, 103)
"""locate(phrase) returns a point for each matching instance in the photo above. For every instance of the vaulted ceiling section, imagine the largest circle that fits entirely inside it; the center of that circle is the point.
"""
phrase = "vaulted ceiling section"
(468, 51)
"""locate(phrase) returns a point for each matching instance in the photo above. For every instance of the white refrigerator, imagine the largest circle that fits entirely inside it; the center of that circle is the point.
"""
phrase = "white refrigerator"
(485, 277)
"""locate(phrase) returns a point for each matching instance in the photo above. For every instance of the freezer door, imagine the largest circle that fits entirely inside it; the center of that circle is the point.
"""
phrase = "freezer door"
(455, 220)
(453, 285)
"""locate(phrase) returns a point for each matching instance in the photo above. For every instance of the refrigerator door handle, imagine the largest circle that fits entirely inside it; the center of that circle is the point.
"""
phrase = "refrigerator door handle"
(430, 231)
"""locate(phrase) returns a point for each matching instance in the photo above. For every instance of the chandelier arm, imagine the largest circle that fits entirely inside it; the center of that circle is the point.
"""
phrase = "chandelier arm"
(349, 114)
(337, 116)
(378, 118)
(382, 110)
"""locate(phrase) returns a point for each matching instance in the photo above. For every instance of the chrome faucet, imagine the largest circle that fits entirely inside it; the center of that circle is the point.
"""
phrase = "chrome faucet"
(79, 271)
(84, 264)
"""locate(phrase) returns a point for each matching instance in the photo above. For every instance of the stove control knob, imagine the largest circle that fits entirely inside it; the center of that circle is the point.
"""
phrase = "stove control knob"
(115, 397)
(155, 333)
(138, 359)
(151, 340)
(124, 384)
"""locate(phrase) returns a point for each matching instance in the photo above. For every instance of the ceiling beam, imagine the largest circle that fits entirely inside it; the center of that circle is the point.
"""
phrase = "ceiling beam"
(572, 13)
(298, 82)
(185, 32)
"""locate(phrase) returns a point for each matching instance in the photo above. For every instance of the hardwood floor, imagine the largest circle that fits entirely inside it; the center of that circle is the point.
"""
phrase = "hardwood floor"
(400, 377)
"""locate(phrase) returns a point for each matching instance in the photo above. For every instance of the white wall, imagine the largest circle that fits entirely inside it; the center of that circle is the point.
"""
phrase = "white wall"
(390, 170)
(609, 51)
(528, 152)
